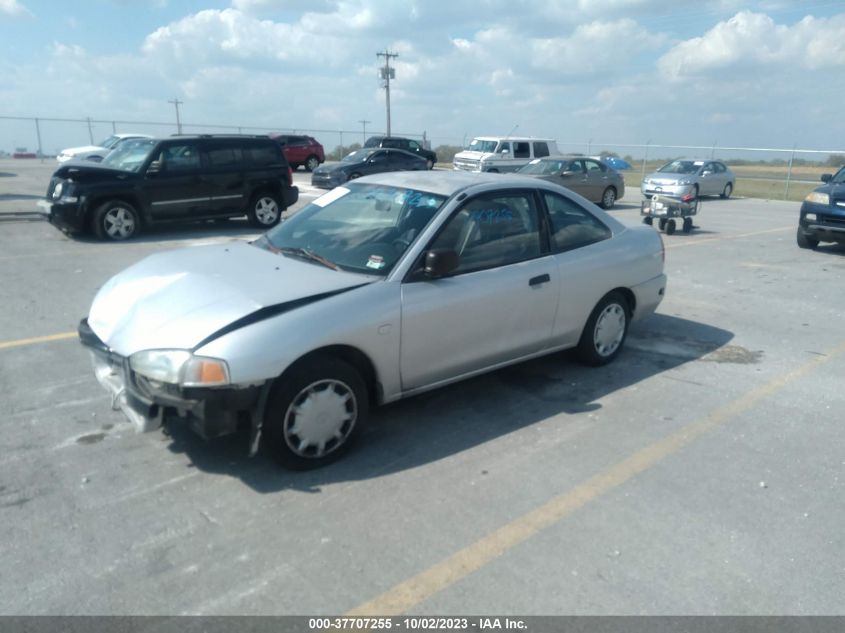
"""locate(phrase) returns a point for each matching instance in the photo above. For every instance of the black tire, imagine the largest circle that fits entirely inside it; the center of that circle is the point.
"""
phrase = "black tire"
(333, 387)
(670, 227)
(116, 220)
(804, 240)
(596, 347)
(311, 163)
(429, 163)
(648, 220)
(695, 192)
(608, 198)
(727, 192)
(687, 227)
(353, 176)
(661, 223)
(264, 210)
(493, 171)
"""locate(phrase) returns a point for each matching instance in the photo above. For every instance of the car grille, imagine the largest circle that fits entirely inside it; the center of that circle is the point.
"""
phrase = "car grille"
(465, 164)
(836, 220)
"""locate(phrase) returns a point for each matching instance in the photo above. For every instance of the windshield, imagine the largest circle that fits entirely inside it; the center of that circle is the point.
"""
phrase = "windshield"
(543, 167)
(839, 177)
(110, 142)
(130, 155)
(681, 167)
(478, 145)
(357, 156)
(358, 227)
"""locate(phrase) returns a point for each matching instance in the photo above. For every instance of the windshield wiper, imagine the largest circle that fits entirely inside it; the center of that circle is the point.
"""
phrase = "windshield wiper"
(305, 253)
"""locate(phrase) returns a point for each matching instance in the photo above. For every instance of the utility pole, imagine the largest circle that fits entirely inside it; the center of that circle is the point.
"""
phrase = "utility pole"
(177, 103)
(387, 73)
(364, 123)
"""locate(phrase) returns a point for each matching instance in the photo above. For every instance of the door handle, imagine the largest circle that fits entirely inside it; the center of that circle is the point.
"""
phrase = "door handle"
(539, 279)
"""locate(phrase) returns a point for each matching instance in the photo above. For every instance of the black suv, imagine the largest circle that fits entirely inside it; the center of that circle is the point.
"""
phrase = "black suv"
(148, 181)
(408, 144)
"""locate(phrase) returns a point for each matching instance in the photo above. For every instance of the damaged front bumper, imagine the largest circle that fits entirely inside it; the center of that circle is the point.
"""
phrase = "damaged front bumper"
(211, 411)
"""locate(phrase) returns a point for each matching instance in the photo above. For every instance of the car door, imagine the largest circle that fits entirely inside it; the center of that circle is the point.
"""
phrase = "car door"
(574, 178)
(708, 180)
(597, 179)
(173, 183)
(498, 305)
(226, 175)
(378, 162)
(581, 243)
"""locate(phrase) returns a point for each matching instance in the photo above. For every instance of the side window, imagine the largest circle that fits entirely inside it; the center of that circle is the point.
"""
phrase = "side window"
(521, 150)
(594, 166)
(541, 149)
(572, 225)
(576, 166)
(414, 146)
(493, 230)
(182, 157)
(504, 147)
(390, 143)
(225, 156)
(720, 168)
(263, 155)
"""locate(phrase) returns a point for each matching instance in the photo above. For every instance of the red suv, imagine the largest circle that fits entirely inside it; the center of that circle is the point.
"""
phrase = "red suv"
(301, 150)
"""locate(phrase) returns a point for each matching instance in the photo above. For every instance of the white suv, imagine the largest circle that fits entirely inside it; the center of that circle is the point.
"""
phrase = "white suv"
(96, 152)
(502, 153)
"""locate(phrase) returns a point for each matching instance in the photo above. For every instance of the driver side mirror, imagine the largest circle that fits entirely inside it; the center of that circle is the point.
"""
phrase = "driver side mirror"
(827, 177)
(568, 172)
(155, 167)
(440, 262)
(706, 172)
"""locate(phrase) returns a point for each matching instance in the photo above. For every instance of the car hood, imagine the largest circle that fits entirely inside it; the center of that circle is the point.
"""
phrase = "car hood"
(176, 300)
(82, 150)
(664, 177)
(835, 190)
(87, 171)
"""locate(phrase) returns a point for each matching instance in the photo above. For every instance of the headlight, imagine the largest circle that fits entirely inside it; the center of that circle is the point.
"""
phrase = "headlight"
(817, 197)
(180, 367)
(810, 216)
(57, 192)
(685, 182)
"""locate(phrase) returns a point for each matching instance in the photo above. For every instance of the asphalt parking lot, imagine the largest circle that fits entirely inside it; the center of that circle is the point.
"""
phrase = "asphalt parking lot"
(701, 473)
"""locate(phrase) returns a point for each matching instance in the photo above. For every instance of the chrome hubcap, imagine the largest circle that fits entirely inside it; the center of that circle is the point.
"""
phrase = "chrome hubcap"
(119, 223)
(320, 418)
(610, 328)
(266, 210)
(609, 198)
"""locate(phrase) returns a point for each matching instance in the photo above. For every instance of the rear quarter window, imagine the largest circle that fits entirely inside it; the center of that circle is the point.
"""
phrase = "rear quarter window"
(263, 155)
(541, 150)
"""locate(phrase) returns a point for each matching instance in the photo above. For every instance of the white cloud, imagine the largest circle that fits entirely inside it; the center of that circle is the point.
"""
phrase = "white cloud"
(13, 8)
(753, 40)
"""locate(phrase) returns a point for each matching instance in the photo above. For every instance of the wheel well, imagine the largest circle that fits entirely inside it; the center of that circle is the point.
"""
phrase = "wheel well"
(630, 298)
(355, 357)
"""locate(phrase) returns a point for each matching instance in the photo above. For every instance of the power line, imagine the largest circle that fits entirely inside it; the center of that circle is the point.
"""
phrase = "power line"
(175, 101)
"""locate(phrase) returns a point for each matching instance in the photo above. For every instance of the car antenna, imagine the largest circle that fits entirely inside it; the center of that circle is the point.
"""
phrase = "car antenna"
(513, 129)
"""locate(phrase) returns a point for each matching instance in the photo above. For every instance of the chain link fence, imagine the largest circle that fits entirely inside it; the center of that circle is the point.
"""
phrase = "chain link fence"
(768, 172)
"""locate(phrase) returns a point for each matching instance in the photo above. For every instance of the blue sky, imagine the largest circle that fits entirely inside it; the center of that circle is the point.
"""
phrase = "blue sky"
(751, 73)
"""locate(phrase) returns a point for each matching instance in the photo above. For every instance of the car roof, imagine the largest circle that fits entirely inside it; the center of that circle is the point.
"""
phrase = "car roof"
(445, 182)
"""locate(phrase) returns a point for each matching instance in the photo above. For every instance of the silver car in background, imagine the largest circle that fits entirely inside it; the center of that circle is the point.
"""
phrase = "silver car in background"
(385, 287)
(688, 178)
(587, 177)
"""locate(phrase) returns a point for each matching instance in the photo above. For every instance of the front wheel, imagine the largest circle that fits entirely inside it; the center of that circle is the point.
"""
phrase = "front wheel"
(429, 164)
(608, 198)
(116, 220)
(314, 413)
(353, 175)
(727, 191)
(605, 331)
(264, 211)
(804, 240)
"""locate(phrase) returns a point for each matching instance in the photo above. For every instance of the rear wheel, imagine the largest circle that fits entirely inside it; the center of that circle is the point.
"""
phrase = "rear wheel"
(648, 220)
(605, 331)
(804, 240)
(264, 211)
(670, 227)
(727, 192)
(429, 164)
(687, 227)
(311, 163)
(116, 220)
(608, 198)
(315, 412)
(661, 223)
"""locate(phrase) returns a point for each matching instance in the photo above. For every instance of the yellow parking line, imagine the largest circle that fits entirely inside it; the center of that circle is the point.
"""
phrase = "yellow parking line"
(37, 339)
(721, 238)
(406, 595)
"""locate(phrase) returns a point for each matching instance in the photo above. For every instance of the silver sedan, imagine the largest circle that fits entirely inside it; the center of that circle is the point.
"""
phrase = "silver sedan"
(388, 286)
(689, 178)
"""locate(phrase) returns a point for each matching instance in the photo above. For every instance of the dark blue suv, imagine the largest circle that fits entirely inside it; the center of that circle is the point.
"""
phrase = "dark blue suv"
(823, 213)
